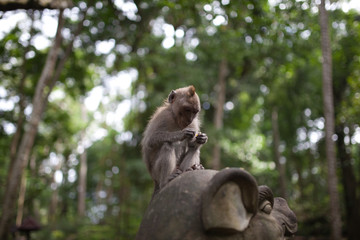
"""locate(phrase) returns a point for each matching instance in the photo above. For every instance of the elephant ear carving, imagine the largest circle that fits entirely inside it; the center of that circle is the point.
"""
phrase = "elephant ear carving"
(229, 201)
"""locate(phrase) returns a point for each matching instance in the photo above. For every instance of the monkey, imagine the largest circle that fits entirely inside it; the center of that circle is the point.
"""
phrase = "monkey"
(172, 139)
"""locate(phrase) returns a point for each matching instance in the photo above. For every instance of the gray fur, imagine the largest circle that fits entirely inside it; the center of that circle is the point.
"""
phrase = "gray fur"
(169, 142)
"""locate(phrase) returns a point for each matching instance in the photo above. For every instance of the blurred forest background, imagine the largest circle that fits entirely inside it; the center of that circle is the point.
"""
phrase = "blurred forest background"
(78, 86)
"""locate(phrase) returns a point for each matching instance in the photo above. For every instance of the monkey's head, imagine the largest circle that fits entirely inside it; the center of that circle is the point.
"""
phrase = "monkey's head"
(185, 105)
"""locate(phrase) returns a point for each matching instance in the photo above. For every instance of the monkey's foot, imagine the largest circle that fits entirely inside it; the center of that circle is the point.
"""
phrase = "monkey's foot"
(195, 167)
(176, 173)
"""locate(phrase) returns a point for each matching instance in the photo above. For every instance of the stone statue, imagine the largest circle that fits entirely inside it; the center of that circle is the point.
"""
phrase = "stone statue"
(209, 204)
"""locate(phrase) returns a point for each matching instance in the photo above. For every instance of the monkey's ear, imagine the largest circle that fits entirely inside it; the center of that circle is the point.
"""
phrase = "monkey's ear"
(191, 90)
(171, 97)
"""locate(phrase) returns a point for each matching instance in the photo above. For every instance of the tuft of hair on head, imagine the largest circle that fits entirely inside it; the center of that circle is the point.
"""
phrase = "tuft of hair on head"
(191, 90)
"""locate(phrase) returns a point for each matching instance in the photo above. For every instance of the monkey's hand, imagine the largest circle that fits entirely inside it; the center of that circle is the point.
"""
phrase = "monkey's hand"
(201, 138)
(189, 133)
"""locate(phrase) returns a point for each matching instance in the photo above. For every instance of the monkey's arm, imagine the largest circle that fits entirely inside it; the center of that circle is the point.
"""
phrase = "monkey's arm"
(192, 156)
(161, 137)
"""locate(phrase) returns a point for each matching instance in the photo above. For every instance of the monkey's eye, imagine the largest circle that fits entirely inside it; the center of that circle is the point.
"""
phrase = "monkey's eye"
(191, 111)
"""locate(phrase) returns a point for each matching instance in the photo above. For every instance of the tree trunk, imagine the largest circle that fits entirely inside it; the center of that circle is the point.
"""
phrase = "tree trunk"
(27, 141)
(21, 200)
(312, 178)
(350, 188)
(54, 195)
(298, 168)
(19, 128)
(276, 143)
(21, 118)
(83, 170)
(219, 110)
(53, 205)
(328, 105)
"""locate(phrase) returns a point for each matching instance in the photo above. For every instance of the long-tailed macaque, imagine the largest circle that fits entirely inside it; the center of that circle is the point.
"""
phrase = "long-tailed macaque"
(172, 141)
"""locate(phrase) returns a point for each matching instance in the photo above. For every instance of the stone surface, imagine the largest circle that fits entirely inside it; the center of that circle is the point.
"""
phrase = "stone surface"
(208, 204)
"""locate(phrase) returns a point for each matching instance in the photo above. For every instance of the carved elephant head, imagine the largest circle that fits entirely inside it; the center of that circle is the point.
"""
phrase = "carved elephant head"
(209, 204)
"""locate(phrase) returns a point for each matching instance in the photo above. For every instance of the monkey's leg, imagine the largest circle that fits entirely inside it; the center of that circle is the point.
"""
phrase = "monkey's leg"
(165, 164)
(191, 161)
(191, 158)
(174, 174)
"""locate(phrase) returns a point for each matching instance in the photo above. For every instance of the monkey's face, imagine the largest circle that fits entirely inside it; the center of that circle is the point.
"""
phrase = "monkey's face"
(185, 105)
(186, 115)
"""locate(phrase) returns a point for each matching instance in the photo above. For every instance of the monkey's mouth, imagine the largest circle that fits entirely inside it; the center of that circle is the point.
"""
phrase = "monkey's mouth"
(183, 123)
